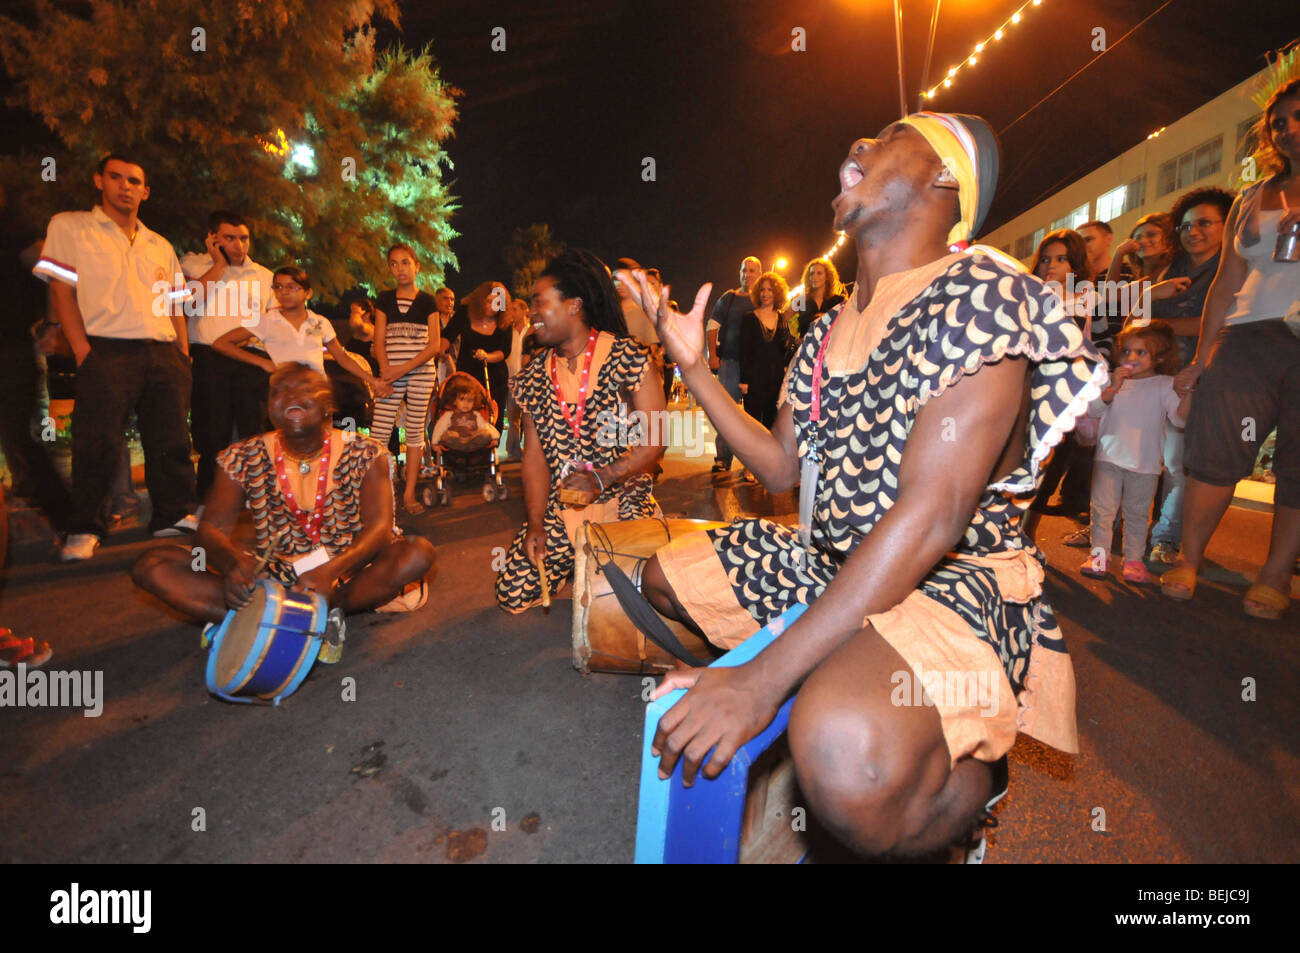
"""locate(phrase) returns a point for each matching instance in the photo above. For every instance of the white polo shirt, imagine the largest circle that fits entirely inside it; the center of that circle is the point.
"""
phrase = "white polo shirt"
(285, 344)
(238, 300)
(124, 290)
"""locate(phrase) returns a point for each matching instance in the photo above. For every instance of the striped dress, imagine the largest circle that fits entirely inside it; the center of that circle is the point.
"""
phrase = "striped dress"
(406, 334)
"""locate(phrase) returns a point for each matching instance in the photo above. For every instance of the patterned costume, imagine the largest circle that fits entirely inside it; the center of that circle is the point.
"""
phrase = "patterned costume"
(980, 608)
(619, 366)
(250, 464)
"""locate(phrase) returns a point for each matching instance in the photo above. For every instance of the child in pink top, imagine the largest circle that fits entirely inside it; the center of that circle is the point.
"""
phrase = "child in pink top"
(1130, 443)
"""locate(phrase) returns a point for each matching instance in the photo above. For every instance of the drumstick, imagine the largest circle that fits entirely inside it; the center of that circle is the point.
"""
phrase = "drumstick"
(546, 590)
(270, 551)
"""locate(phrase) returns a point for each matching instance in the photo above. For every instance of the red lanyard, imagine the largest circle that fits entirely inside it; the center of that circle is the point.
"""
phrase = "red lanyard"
(815, 413)
(310, 525)
(575, 419)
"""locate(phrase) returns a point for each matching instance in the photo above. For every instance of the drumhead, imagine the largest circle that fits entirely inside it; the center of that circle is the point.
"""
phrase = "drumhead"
(240, 634)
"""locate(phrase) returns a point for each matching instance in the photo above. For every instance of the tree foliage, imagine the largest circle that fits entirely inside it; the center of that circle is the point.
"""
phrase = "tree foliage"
(528, 251)
(216, 98)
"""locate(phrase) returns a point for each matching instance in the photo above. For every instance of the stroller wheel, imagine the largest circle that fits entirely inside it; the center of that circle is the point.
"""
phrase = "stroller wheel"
(502, 492)
(428, 496)
(444, 497)
(489, 492)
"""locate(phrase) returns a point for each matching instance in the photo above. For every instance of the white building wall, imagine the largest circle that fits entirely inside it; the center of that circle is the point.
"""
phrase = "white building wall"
(1222, 115)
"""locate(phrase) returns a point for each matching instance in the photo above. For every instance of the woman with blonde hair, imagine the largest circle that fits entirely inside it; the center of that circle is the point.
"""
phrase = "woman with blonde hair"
(822, 291)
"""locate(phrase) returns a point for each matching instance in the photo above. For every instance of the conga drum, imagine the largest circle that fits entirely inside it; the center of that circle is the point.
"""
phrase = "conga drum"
(604, 638)
(263, 651)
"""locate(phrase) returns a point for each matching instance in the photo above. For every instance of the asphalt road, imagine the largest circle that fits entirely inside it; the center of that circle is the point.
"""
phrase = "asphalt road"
(471, 737)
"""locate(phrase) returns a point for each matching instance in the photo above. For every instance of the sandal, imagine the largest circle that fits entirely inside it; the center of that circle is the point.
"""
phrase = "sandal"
(414, 507)
(1179, 583)
(15, 651)
(1269, 603)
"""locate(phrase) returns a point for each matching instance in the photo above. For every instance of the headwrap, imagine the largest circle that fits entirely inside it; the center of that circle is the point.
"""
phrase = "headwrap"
(969, 150)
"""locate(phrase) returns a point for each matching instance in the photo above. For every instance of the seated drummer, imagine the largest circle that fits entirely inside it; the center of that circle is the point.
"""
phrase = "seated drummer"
(326, 494)
(578, 435)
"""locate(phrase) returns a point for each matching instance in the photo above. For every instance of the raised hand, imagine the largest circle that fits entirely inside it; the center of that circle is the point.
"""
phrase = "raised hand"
(681, 334)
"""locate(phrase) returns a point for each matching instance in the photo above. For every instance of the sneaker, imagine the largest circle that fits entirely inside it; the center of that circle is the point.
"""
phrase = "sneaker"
(1098, 566)
(186, 524)
(1165, 553)
(78, 546)
(1080, 538)
(975, 849)
(1135, 572)
(205, 639)
(409, 599)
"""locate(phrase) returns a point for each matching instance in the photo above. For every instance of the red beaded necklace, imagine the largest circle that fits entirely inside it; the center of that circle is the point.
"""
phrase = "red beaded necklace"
(311, 525)
(574, 419)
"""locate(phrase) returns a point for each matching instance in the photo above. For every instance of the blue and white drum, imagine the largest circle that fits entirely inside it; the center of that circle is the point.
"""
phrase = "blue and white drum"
(263, 651)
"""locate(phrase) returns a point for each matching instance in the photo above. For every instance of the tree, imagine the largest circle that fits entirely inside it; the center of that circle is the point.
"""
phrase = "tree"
(527, 253)
(279, 109)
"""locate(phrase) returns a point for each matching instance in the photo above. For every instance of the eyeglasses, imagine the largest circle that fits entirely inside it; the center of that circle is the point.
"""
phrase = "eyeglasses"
(1201, 224)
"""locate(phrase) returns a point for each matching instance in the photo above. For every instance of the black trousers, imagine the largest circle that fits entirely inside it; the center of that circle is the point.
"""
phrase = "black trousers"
(152, 378)
(229, 398)
(33, 472)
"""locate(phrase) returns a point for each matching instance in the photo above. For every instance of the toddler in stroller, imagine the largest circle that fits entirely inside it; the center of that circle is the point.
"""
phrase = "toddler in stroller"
(464, 442)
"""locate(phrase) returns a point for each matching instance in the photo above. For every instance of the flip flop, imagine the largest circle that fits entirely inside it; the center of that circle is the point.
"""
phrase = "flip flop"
(1270, 603)
(15, 651)
(414, 508)
(1179, 583)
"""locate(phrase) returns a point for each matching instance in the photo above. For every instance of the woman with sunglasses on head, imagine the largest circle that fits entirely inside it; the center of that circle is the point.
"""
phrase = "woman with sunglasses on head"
(1198, 216)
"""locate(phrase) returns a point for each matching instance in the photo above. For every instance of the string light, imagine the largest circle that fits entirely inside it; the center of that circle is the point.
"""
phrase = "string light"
(979, 47)
(1156, 133)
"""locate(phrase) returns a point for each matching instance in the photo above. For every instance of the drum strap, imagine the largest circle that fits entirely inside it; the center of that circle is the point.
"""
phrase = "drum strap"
(644, 616)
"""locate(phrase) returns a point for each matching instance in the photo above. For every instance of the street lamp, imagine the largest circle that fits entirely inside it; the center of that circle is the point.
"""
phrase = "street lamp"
(780, 264)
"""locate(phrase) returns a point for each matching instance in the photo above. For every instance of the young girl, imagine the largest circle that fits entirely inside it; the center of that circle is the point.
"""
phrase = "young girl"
(408, 336)
(463, 412)
(291, 333)
(1130, 443)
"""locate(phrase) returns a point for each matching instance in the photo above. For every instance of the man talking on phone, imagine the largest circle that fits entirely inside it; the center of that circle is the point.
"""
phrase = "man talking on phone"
(229, 397)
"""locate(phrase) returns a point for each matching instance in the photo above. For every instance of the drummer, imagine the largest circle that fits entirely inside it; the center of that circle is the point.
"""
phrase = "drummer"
(579, 436)
(322, 506)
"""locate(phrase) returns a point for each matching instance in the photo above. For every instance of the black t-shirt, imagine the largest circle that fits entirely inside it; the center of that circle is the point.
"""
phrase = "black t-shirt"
(812, 311)
(728, 311)
(502, 339)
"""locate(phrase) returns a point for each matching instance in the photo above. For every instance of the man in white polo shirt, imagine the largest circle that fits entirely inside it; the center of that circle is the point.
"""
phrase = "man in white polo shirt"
(116, 288)
(229, 396)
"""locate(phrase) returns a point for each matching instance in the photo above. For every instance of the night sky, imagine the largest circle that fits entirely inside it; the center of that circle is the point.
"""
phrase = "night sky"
(747, 135)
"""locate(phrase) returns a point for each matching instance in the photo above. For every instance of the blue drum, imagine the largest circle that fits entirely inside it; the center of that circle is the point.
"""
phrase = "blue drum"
(263, 651)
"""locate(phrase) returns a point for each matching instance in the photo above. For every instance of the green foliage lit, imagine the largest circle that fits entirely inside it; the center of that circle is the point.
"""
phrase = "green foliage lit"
(133, 79)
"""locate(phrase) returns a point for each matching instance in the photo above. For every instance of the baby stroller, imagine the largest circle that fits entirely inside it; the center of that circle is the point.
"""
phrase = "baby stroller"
(447, 465)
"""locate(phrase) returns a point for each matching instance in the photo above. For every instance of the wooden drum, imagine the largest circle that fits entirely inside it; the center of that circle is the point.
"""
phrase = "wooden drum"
(604, 638)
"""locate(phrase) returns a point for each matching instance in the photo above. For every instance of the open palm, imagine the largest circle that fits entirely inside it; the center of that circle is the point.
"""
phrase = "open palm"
(682, 334)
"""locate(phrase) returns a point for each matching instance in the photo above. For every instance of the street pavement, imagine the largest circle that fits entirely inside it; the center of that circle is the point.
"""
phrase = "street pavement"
(472, 738)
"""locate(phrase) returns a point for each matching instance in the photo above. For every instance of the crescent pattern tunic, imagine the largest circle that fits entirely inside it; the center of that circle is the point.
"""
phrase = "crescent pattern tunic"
(978, 310)
(608, 430)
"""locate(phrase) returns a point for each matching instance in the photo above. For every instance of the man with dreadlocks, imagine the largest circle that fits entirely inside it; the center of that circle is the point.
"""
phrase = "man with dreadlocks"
(917, 417)
(578, 434)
